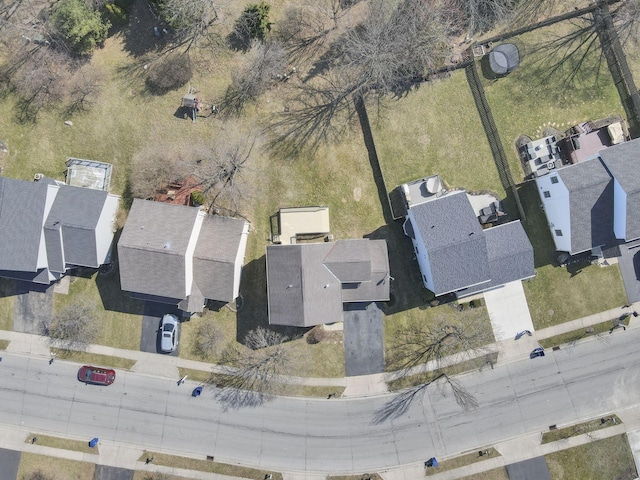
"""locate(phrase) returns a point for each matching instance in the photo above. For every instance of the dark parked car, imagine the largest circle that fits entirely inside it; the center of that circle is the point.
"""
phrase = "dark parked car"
(537, 352)
(169, 333)
(96, 375)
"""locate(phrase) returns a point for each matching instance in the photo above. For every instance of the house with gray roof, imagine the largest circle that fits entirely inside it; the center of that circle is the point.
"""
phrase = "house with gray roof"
(47, 227)
(307, 284)
(181, 256)
(593, 204)
(455, 254)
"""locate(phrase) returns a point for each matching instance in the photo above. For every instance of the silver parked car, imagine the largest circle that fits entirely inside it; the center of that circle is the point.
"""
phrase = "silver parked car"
(169, 333)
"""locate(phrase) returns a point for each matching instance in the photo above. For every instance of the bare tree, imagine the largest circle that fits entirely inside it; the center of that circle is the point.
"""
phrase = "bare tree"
(84, 87)
(264, 64)
(481, 15)
(159, 164)
(432, 349)
(74, 327)
(192, 21)
(255, 367)
(169, 72)
(209, 339)
(388, 52)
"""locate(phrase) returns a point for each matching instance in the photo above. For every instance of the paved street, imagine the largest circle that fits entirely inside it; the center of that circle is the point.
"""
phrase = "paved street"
(316, 435)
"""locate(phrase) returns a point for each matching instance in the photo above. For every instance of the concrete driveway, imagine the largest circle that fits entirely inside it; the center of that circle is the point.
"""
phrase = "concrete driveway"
(629, 263)
(508, 310)
(363, 339)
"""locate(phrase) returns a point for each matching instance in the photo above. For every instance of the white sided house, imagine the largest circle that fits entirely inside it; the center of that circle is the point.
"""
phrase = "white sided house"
(593, 204)
(455, 253)
(47, 228)
(181, 256)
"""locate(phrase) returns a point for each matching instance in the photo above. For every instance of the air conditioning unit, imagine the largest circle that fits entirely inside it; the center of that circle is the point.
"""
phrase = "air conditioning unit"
(37, 177)
(551, 165)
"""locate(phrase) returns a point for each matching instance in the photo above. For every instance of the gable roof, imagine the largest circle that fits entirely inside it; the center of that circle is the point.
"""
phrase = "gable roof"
(22, 210)
(509, 252)
(215, 256)
(75, 212)
(623, 162)
(153, 246)
(590, 202)
(301, 291)
(304, 291)
(454, 240)
(349, 261)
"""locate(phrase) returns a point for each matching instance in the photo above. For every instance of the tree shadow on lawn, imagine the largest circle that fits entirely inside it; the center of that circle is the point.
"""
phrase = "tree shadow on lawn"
(407, 290)
(254, 311)
(139, 37)
(535, 225)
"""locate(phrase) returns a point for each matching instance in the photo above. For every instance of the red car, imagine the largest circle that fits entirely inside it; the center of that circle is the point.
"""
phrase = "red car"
(96, 375)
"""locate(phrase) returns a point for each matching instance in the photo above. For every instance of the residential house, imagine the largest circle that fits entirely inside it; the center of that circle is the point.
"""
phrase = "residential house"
(593, 204)
(47, 228)
(307, 284)
(455, 254)
(181, 256)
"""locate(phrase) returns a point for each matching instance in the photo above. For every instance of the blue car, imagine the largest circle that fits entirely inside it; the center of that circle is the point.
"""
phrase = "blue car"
(537, 352)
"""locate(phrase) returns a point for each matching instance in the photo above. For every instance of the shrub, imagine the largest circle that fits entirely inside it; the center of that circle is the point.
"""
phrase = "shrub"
(80, 26)
(198, 198)
(254, 22)
(171, 73)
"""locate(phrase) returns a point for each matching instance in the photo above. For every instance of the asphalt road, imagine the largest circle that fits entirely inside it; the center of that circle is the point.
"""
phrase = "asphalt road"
(338, 435)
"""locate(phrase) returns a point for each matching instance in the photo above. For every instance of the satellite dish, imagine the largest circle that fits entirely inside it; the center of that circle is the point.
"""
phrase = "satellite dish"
(433, 184)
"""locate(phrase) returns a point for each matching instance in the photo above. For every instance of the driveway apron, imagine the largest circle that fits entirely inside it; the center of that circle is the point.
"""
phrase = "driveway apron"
(363, 339)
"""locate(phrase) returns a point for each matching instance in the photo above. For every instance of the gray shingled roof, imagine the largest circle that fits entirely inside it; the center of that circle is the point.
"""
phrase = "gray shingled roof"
(510, 253)
(350, 260)
(454, 240)
(22, 207)
(377, 288)
(591, 204)
(623, 162)
(152, 248)
(77, 210)
(215, 255)
(301, 291)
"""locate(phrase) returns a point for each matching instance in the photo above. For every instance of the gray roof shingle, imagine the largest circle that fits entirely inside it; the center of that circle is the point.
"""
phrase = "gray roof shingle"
(22, 206)
(152, 248)
(303, 291)
(623, 162)
(510, 253)
(454, 240)
(215, 255)
(77, 211)
(350, 261)
(591, 204)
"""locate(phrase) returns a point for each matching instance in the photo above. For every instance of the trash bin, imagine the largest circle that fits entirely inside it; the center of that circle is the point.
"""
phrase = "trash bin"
(93, 442)
(196, 392)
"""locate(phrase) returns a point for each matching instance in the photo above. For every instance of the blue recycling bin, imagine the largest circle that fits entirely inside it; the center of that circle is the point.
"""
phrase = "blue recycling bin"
(196, 392)
(432, 462)
(93, 442)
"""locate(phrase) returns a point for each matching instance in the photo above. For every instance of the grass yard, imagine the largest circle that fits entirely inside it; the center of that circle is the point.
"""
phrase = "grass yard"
(571, 338)
(61, 469)
(6, 303)
(462, 461)
(580, 429)
(94, 359)
(119, 314)
(607, 458)
(62, 443)
(208, 466)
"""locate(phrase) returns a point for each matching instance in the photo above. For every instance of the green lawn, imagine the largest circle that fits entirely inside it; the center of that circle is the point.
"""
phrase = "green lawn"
(463, 460)
(580, 428)
(62, 443)
(608, 458)
(63, 468)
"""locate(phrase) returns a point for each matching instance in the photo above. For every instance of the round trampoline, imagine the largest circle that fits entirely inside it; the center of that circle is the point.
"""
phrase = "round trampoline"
(504, 59)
